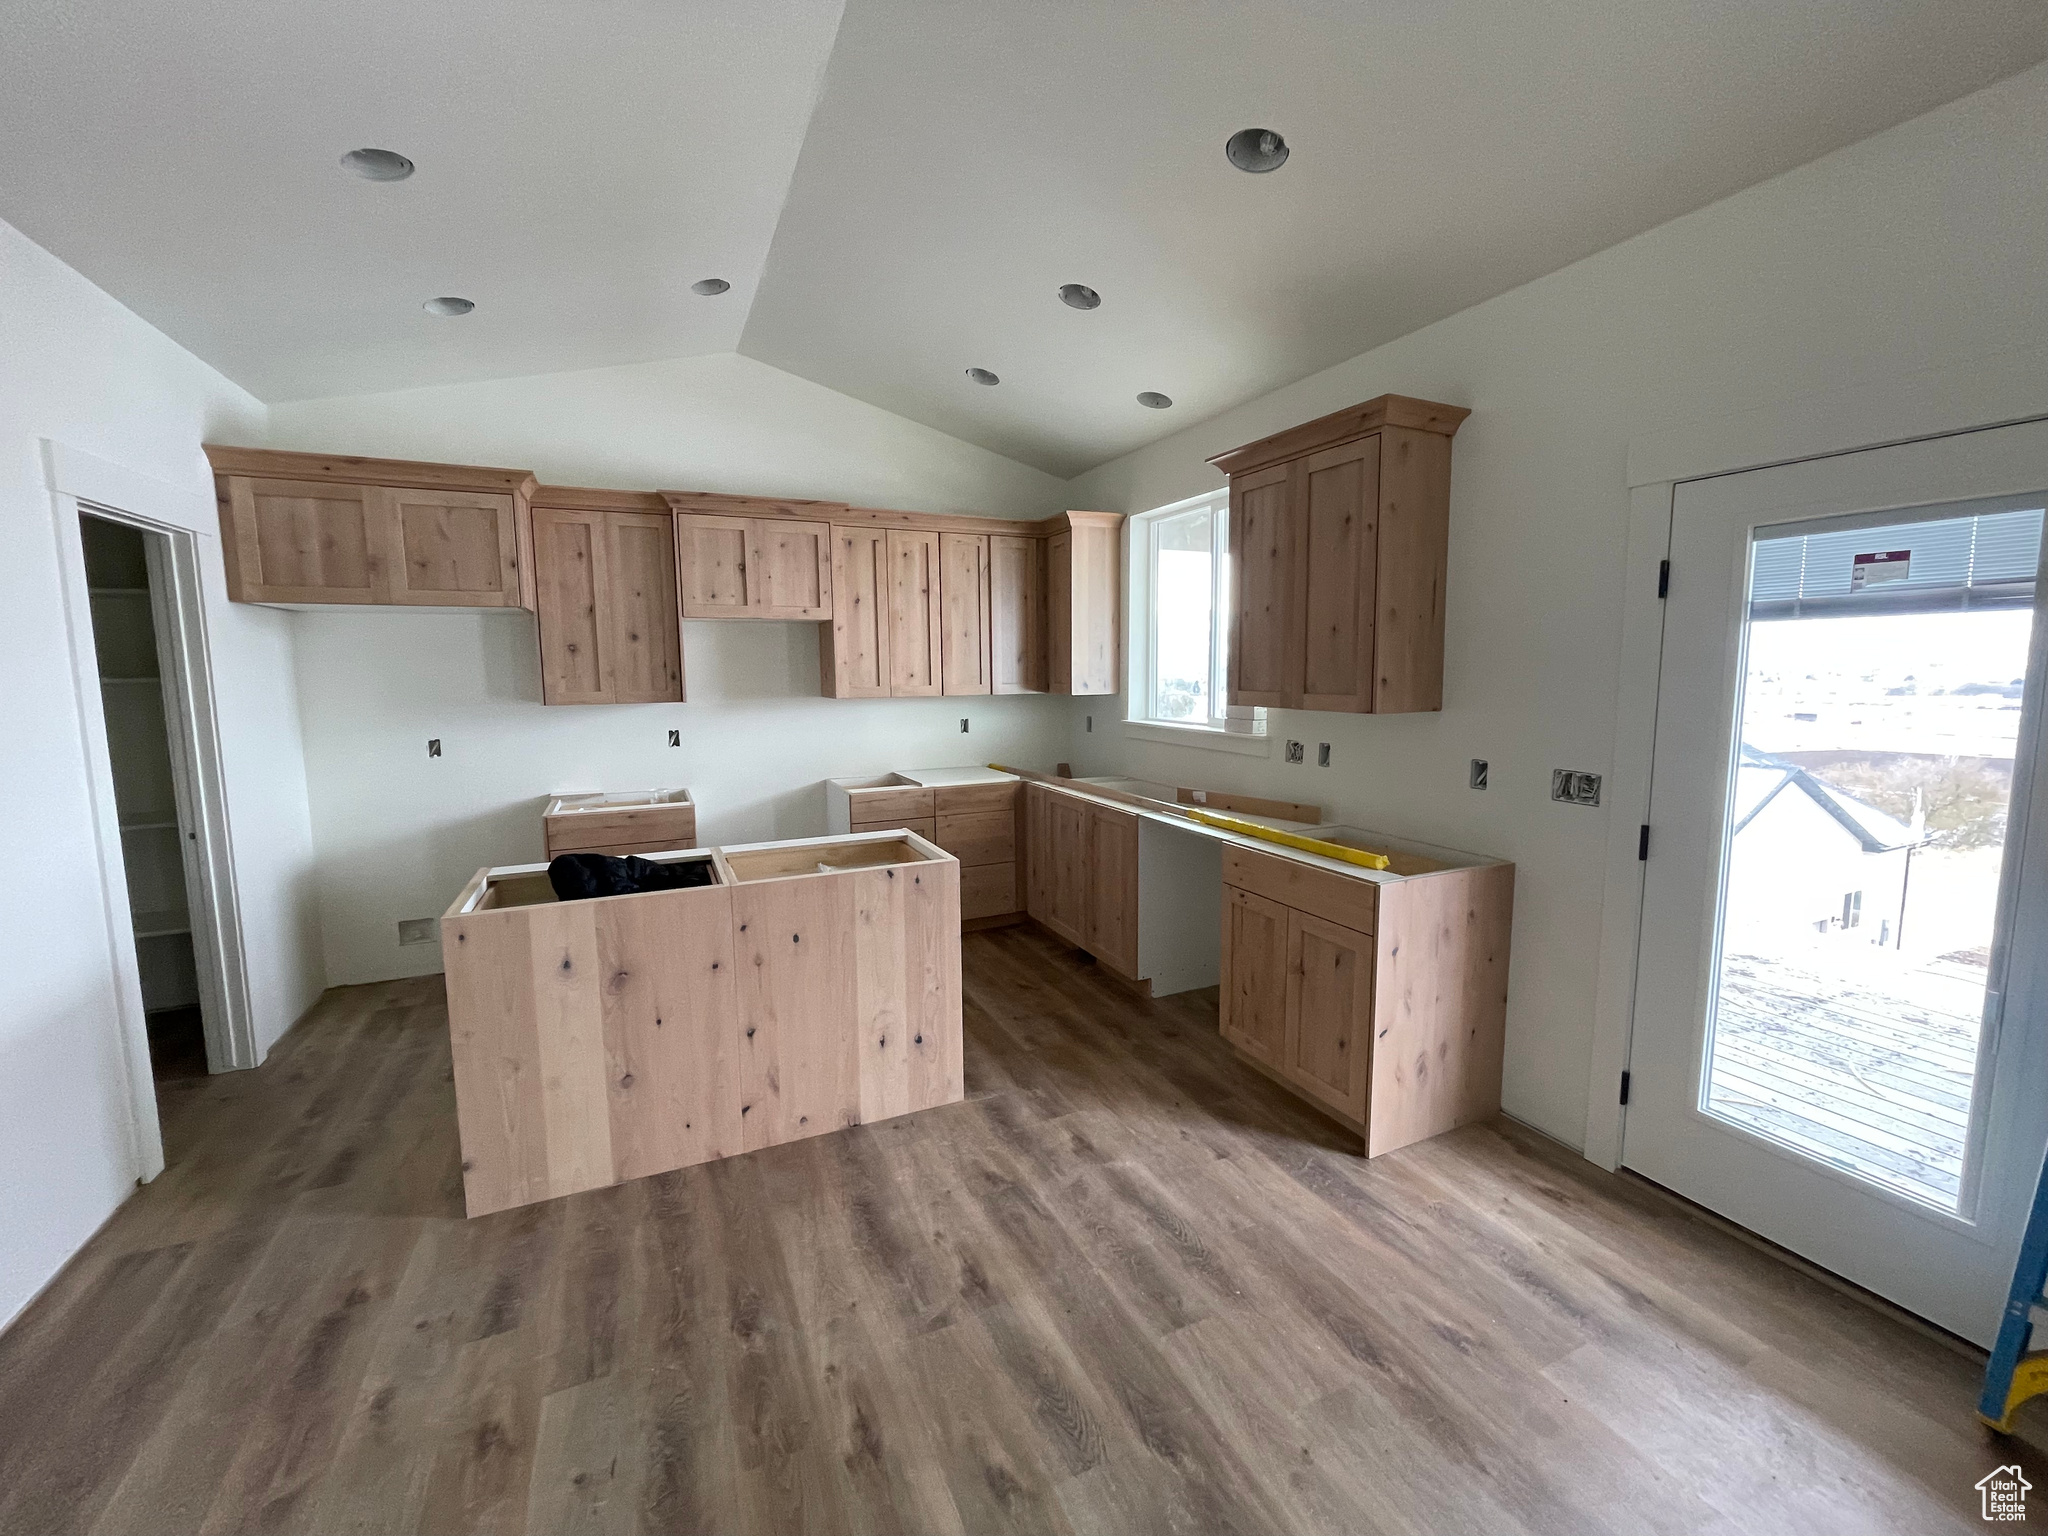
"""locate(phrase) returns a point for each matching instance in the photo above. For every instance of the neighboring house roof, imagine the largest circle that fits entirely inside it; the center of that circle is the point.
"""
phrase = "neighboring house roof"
(1761, 778)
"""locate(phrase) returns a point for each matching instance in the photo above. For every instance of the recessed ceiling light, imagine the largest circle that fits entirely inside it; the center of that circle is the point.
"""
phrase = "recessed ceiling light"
(449, 305)
(377, 164)
(709, 286)
(982, 376)
(1079, 296)
(1155, 400)
(1256, 150)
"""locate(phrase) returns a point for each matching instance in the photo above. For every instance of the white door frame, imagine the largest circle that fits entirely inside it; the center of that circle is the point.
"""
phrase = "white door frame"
(81, 483)
(1994, 389)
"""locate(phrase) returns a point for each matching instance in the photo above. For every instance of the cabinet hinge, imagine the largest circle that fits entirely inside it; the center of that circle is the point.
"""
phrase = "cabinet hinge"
(1663, 578)
(1624, 1087)
(1643, 841)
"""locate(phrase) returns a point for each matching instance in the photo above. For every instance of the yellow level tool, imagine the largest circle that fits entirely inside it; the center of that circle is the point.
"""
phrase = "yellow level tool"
(1362, 857)
(1365, 858)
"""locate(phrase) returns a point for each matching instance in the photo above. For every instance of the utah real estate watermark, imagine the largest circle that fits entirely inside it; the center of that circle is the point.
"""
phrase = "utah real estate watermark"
(2004, 1491)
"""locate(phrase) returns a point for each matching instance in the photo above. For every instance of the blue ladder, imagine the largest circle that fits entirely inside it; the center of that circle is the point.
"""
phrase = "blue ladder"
(2014, 1373)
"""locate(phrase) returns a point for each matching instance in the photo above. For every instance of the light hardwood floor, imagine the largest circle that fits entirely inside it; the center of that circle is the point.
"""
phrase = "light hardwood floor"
(1127, 1286)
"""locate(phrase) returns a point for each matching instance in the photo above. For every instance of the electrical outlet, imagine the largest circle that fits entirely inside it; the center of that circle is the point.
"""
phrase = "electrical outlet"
(434, 746)
(1294, 751)
(675, 738)
(417, 930)
(1091, 722)
(963, 725)
(1479, 773)
(1322, 754)
(1574, 786)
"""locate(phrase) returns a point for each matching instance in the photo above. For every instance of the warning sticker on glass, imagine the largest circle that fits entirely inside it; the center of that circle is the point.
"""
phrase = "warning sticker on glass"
(1875, 569)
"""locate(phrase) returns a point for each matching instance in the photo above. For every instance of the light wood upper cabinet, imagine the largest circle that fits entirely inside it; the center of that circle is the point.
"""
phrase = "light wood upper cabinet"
(1017, 660)
(1084, 603)
(610, 632)
(449, 549)
(853, 650)
(320, 528)
(1338, 534)
(964, 607)
(753, 567)
(915, 614)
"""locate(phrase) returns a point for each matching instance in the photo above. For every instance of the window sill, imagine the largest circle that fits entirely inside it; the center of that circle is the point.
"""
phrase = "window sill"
(1204, 736)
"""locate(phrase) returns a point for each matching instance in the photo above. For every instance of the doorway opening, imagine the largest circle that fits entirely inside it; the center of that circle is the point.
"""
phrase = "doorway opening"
(125, 570)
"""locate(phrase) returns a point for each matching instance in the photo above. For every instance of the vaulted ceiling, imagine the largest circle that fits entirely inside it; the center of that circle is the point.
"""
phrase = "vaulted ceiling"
(896, 194)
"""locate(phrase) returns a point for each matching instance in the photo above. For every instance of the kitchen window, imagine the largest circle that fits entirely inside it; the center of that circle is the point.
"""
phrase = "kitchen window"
(1179, 601)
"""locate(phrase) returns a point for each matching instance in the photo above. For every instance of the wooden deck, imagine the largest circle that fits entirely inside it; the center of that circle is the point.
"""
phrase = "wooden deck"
(1868, 1069)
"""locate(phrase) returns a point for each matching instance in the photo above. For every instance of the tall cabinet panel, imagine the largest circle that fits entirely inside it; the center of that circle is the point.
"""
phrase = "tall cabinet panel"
(1017, 662)
(1084, 603)
(964, 601)
(853, 650)
(915, 619)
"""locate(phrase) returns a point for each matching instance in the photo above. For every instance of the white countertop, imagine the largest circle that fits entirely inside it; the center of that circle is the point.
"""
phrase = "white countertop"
(936, 778)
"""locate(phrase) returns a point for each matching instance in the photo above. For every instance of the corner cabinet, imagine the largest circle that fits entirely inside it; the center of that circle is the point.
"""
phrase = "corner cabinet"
(610, 627)
(1339, 530)
(330, 529)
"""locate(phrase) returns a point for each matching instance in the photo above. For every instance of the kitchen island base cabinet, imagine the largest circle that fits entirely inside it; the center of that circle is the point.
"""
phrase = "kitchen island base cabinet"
(814, 985)
(1392, 1020)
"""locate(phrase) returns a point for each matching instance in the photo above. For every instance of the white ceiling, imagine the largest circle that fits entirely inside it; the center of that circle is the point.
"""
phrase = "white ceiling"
(582, 163)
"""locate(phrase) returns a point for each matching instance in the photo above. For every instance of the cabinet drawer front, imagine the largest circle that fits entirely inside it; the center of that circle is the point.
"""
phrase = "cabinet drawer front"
(600, 831)
(923, 826)
(888, 804)
(1343, 899)
(984, 837)
(989, 890)
(957, 798)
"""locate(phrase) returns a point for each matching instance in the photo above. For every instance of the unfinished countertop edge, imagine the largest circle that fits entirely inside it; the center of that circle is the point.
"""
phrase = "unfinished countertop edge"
(1176, 818)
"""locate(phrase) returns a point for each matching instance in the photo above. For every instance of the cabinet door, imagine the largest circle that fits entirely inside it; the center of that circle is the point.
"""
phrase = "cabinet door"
(1252, 1001)
(570, 554)
(1329, 1012)
(963, 607)
(1265, 629)
(1110, 861)
(448, 549)
(294, 541)
(1083, 604)
(854, 648)
(1016, 614)
(1414, 546)
(711, 566)
(1038, 852)
(1340, 492)
(789, 569)
(644, 659)
(914, 617)
(1067, 874)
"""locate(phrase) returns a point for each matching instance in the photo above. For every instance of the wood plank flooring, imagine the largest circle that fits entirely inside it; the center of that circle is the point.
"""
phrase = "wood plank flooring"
(1127, 1286)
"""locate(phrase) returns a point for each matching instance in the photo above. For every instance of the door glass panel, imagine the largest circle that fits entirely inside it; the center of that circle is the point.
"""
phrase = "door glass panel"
(1879, 714)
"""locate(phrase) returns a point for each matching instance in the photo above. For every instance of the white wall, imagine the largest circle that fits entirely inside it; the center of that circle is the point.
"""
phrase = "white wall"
(1919, 247)
(77, 368)
(398, 833)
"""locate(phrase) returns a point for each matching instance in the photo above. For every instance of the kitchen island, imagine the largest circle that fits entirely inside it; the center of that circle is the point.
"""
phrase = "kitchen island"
(807, 986)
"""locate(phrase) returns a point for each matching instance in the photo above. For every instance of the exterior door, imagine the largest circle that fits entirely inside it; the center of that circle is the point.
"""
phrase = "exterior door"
(1837, 1042)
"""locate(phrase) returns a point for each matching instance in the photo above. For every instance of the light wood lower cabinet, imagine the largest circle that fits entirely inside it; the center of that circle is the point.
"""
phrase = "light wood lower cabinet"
(1082, 877)
(1393, 1020)
(610, 631)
